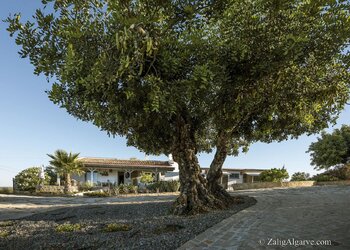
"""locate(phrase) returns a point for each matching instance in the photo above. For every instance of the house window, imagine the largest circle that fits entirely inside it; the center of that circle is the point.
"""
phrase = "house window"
(234, 176)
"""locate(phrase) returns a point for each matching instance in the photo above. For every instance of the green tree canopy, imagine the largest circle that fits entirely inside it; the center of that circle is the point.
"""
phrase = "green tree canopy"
(300, 176)
(331, 149)
(28, 179)
(274, 175)
(186, 77)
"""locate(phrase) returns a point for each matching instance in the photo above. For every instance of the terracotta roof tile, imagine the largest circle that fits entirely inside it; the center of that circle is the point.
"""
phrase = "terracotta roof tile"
(88, 161)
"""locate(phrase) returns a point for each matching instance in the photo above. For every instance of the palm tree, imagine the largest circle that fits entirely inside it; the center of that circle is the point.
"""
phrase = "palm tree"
(66, 164)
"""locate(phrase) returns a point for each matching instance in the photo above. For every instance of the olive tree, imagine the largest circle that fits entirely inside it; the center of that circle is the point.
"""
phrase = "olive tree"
(189, 77)
(331, 149)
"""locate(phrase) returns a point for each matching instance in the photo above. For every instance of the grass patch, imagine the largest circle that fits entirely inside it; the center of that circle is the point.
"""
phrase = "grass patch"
(116, 227)
(68, 228)
(6, 223)
(4, 234)
(169, 228)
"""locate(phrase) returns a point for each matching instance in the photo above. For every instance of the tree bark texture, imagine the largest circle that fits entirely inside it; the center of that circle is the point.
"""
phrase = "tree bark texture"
(194, 196)
(215, 172)
(67, 184)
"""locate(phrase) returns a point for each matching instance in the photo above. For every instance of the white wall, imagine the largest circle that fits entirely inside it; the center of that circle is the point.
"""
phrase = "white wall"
(234, 181)
(112, 177)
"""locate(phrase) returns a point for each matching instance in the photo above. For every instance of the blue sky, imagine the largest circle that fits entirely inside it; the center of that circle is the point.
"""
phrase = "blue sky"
(31, 126)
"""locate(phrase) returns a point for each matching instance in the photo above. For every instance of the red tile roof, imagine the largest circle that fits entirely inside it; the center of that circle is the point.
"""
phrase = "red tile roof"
(239, 169)
(118, 163)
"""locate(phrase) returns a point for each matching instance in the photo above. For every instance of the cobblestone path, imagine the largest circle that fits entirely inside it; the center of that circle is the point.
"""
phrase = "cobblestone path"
(284, 219)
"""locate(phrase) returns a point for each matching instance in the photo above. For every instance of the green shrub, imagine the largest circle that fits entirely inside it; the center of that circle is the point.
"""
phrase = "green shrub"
(28, 179)
(68, 227)
(115, 190)
(173, 186)
(324, 177)
(6, 190)
(114, 227)
(123, 189)
(97, 194)
(132, 189)
(86, 186)
(341, 172)
(153, 186)
(164, 186)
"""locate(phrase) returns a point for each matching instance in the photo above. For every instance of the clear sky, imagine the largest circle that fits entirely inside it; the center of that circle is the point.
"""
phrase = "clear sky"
(31, 126)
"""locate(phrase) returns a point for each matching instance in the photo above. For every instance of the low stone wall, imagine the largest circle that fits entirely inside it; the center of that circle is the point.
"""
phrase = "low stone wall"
(298, 184)
(54, 189)
(341, 183)
(257, 185)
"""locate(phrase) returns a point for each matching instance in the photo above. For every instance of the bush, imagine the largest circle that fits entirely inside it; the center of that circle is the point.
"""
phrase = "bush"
(132, 189)
(335, 174)
(173, 186)
(274, 175)
(6, 190)
(340, 172)
(164, 186)
(28, 179)
(97, 194)
(123, 189)
(300, 176)
(126, 189)
(324, 177)
(68, 227)
(86, 186)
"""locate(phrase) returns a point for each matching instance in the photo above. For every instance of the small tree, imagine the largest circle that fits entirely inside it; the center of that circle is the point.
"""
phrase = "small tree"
(28, 179)
(274, 175)
(66, 164)
(331, 150)
(146, 178)
(300, 176)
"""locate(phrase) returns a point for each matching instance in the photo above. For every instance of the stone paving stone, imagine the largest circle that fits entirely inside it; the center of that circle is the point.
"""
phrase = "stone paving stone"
(313, 213)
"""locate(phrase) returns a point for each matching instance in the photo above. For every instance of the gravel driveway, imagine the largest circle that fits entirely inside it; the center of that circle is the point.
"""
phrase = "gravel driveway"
(19, 206)
(285, 219)
(140, 222)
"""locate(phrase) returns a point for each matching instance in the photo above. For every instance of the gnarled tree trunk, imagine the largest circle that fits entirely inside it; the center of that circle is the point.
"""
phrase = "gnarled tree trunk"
(194, 197)
(215, 171)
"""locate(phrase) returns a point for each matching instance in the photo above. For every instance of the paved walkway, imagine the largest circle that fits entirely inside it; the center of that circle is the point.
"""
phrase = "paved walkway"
(288, 217)
(19, 206)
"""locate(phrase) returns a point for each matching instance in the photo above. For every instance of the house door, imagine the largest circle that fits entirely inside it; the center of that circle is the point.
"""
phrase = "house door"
(120, 178)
